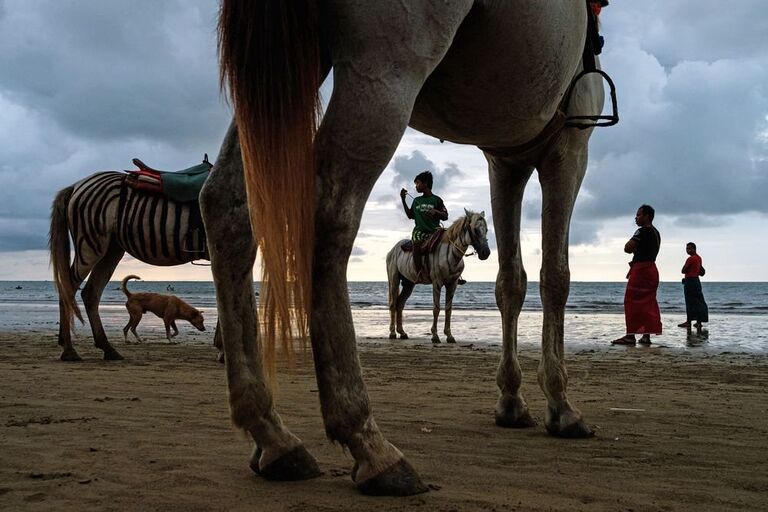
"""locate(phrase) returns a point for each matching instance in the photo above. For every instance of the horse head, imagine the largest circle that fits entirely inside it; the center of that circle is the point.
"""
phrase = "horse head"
(477, 228)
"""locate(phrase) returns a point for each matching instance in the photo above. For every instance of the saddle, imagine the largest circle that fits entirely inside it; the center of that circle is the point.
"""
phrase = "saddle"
(428, 245)
(181, 186)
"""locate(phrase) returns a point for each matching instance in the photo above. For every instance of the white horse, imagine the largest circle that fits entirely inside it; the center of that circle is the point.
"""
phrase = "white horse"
(445, 263)
(491, 74)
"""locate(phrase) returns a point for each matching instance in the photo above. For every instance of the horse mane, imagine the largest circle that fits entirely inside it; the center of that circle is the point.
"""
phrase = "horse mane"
(454, 230)
(270, 61)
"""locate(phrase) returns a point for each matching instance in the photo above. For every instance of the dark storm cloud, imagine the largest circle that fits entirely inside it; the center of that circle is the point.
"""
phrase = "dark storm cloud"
(86, 86)
(693, 104)
(113, 70)
(406, 167)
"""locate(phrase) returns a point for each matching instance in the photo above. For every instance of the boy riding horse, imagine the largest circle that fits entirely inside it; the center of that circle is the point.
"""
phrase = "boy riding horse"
(427, 210)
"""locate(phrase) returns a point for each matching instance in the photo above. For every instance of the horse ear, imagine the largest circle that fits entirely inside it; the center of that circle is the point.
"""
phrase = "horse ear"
(482, 214)
(466, 212)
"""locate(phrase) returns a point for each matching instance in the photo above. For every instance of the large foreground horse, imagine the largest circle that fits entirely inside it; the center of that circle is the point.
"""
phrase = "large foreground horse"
(445, 264)
(485, 73)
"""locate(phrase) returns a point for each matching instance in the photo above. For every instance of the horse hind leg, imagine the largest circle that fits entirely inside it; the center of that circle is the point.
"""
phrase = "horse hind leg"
(560, 175)
(91, 294)
(278, 454)
(450, 290)
(436, 292)
(508, 180)
(68, 352)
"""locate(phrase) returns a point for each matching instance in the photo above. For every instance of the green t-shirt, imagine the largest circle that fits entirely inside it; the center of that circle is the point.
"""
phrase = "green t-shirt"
(424, 224)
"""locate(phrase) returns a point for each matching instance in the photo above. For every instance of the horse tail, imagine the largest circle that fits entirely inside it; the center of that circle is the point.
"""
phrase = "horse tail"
(124, 284)
(58, 244)
(269, 53)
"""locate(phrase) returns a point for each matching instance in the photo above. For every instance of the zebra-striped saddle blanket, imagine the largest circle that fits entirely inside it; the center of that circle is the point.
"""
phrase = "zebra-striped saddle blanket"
(181, 186)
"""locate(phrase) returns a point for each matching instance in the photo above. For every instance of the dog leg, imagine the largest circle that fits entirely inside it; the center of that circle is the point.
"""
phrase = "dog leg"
(135, 321)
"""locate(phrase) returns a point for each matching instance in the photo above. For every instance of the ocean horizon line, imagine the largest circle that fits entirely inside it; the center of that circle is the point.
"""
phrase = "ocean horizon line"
(349, 281)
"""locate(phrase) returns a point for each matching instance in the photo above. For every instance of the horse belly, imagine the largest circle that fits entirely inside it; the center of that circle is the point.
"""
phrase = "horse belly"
(505, 73)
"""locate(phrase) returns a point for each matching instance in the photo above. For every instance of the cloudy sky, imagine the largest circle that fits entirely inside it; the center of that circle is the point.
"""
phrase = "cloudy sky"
(88, 85)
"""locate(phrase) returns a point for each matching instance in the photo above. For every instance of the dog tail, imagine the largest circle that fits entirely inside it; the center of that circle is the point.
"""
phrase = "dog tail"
(124, 284)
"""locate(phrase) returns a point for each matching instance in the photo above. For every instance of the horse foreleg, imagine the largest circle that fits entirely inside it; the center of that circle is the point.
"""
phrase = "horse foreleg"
(405, 293)
(437, 290)
(278, 454)
(560, 175)
(450, 289)
(359, 134)
(508, 180)
(218, 343)
(91, 294)
(393, 291)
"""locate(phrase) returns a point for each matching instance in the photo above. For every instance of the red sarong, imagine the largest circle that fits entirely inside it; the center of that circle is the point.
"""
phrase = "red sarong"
(641, 311)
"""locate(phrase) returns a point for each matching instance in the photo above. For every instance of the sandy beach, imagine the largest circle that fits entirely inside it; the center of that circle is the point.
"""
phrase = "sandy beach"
(675, 431)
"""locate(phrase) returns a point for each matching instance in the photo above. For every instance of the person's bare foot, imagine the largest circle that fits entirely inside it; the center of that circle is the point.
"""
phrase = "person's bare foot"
(629, 339)
(645, 340)
(687, 325)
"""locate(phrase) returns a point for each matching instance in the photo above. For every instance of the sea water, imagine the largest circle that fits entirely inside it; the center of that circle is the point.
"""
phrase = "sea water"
(594, 313)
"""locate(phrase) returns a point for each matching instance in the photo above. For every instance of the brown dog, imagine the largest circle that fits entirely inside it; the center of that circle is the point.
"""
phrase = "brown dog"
(167, 307)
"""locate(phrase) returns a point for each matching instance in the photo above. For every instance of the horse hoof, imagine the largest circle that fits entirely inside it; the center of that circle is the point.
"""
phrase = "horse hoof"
(575, 429)
(435, 340)
(398, 480)
(450, 339)
(403, 336)
(392, 336)
(111, 354)
(523, 420)
(70, 355)
(297, 464)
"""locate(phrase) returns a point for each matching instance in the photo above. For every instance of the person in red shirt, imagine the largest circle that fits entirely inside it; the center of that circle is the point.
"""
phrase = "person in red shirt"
(695, 306)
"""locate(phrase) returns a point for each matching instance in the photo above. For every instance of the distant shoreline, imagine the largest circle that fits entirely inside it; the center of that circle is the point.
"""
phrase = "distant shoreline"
(530, 282)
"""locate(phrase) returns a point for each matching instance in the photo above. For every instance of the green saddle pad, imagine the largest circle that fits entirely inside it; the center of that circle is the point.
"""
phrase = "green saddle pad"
(184, 186)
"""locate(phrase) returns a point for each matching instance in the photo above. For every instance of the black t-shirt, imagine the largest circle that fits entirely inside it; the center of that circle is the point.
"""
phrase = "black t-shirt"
(648, 242)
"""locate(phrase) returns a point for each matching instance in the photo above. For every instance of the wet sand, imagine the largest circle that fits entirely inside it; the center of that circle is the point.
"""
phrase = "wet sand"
(675, 432)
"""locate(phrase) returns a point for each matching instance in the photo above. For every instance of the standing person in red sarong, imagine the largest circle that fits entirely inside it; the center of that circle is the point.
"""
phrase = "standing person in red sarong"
(641, 311)
(695, 305)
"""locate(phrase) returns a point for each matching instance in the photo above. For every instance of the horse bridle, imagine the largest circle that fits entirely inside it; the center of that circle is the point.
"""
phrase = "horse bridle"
(472, 240)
